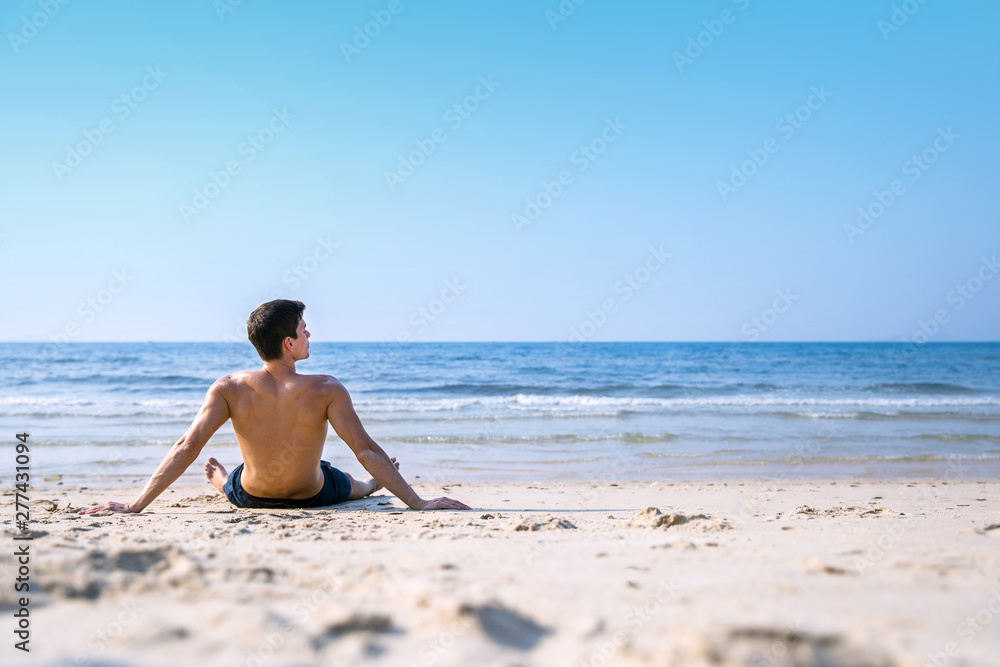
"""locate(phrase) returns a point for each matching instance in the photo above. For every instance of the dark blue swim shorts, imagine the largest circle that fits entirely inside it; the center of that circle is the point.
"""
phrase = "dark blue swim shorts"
(336, 488)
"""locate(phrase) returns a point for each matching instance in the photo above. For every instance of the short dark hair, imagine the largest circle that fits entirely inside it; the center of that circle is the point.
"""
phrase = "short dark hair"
(271, 323)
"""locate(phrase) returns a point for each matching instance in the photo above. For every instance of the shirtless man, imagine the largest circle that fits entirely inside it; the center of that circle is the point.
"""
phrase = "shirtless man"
(280, 419)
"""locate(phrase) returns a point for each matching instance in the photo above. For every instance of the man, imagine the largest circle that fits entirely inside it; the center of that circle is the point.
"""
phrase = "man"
(280, 419)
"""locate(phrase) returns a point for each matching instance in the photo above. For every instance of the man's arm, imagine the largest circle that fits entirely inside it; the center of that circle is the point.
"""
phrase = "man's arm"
(213, 414)
(348, 426)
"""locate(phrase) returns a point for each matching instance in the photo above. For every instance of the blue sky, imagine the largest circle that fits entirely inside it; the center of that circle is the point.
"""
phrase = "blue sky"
(278, 150)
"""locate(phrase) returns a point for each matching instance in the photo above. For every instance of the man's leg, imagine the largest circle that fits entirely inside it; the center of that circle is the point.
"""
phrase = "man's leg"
(361, 489)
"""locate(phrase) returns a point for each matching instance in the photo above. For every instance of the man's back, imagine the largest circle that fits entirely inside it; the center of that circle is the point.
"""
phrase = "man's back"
(281, 426)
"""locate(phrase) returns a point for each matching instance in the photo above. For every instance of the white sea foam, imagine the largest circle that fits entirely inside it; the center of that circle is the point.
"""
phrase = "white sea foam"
(604, 404)
(519, 405)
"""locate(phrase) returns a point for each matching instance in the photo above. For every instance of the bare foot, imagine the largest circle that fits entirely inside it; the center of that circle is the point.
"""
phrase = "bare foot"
(375, 485)
(215, 473)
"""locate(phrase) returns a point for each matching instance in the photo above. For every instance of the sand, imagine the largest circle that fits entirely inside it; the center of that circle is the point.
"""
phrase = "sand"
(828, 572)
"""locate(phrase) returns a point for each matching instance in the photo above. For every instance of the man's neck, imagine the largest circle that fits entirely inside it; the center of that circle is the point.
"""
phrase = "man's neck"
(280, 367)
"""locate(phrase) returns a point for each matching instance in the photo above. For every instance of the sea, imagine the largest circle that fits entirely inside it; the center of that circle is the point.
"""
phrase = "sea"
(107, 413)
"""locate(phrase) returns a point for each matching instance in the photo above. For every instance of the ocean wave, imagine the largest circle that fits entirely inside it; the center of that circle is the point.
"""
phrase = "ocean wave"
(51, 407)
(671, 455)
(464, 388)
(126, 444)
(921, 388)
(518, 462)
(679, 445)
(889, 415)
(599, 385)
(392, 408)
(536, 402)
(619, 390)
(851, 459)
(66, 400)
(958, 437)
(567, 438)
(112, 382)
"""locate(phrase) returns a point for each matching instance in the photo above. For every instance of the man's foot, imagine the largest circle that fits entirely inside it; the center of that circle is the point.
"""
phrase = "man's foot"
(215, 473)
(375, 485)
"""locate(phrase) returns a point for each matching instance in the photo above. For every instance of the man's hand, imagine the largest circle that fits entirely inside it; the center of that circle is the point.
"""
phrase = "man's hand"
(442, 503)
(111, 505)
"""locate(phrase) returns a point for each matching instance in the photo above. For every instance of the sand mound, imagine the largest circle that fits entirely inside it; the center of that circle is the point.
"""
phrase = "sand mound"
(505, 626)
(858, 512)
(361, 623)
(100, 573)
(25, 534)
(549, 523)
(776, 647)
(651, 517)
(209, 498)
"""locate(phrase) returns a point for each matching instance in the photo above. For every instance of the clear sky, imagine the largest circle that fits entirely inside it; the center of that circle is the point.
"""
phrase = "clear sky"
(483, 171)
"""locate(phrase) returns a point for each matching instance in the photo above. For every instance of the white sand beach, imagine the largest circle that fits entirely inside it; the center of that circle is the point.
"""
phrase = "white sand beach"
(832, 572)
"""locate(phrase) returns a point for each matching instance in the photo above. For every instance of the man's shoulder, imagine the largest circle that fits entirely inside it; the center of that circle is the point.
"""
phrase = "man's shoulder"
(234, 379)
(326, 385)
(235, 382)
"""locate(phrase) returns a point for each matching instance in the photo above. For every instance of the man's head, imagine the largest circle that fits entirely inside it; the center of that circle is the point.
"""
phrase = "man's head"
(277, 329)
